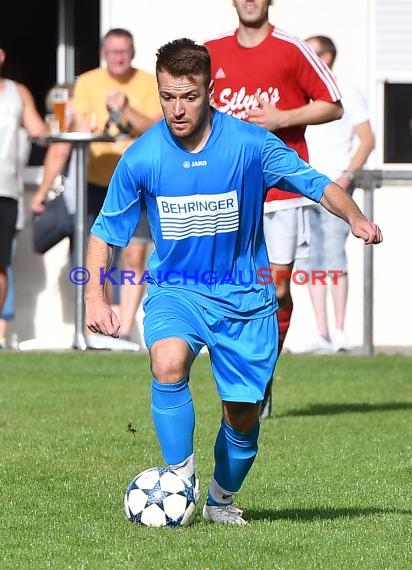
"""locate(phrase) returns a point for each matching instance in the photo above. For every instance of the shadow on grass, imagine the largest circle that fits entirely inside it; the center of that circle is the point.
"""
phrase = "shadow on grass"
(304, 515)
(360, 407)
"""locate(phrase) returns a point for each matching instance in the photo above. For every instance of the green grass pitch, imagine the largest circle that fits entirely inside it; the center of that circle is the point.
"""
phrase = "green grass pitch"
(330, 489)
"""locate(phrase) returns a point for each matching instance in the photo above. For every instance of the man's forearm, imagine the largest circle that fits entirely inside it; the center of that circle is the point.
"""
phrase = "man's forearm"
(97, 259)
(314, 113)
(337, 201)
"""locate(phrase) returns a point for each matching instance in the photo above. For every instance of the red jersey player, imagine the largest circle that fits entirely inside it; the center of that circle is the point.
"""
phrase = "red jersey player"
(269, 77)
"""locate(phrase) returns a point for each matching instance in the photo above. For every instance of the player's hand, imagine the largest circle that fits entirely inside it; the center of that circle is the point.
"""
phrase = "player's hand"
(366, 230)
(267, 115)
(100, 318)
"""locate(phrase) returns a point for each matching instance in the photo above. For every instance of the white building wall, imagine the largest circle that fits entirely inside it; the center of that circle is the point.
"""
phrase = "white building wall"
(154, 23)
(351, 25)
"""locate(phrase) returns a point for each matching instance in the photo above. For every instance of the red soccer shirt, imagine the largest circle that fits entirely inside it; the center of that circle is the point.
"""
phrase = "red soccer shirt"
(283, 69)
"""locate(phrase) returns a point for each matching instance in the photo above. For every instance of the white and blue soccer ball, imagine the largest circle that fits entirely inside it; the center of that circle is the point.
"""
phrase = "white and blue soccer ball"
(160, 497)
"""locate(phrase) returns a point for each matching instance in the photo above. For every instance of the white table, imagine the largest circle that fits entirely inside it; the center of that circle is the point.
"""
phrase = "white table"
(80, 142)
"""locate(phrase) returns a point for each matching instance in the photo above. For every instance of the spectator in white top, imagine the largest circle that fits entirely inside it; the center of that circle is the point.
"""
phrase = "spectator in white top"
(17, 109)
(339, 149)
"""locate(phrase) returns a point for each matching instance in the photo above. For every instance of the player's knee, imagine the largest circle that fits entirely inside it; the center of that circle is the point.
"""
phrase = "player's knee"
(135, 264)
(168, 372)
(241, 416)
(134, 257)
(282, 287)
(168, 362)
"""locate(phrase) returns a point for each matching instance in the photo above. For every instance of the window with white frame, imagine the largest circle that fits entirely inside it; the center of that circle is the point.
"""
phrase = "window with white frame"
(394, 70)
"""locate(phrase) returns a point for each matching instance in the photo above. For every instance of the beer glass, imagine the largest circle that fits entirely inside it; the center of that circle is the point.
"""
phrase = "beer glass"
(59, 100)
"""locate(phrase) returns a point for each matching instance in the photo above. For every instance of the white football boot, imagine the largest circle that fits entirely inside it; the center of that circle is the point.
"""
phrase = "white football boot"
(223, 514)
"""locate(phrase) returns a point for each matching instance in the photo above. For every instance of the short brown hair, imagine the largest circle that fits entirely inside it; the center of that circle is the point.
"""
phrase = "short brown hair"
(326, 45)
(183, 57)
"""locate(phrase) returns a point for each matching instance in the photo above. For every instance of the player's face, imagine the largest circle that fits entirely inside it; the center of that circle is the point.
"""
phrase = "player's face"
(185, 105)
(252, 13)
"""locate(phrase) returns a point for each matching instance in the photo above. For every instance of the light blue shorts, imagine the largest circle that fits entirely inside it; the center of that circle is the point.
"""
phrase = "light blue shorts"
(243, 353)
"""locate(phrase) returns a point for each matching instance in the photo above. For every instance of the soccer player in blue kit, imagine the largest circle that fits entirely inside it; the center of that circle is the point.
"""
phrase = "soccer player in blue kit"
(203, 176)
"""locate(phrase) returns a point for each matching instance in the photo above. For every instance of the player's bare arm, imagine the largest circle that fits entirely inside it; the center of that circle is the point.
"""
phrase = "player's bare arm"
(99, 316)
(269, 116)
(337, 201)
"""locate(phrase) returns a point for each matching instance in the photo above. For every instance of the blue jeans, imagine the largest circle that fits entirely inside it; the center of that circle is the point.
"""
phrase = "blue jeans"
(328, 235)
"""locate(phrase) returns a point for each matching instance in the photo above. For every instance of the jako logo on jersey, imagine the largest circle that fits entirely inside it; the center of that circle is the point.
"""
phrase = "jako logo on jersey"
(198, 215)
(188, 164)
(237, 103)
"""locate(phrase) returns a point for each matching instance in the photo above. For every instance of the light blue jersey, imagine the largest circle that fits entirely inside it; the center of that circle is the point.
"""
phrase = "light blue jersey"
(205, 211)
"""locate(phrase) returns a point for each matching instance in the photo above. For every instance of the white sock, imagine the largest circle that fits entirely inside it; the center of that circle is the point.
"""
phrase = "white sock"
(219, 495)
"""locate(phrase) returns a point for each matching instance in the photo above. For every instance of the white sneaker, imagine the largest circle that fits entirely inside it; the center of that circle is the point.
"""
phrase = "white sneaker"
(103, 342)
(318, 344)
(223, 514)
(340, 341)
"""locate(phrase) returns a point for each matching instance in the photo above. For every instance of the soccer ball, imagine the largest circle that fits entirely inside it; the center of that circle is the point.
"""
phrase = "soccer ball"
(160, 497)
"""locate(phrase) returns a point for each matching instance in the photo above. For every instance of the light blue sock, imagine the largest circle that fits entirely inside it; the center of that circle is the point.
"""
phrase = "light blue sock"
(174, 419)
(235, 453)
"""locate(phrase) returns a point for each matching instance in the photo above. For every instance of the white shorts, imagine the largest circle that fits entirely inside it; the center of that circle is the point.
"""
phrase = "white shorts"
(287, 235)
